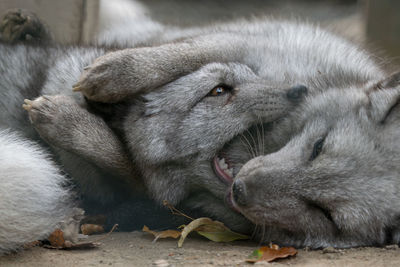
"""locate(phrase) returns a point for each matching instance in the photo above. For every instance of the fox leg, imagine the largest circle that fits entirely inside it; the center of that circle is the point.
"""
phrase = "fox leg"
(122, 74)
(21, 25)
(64, 124)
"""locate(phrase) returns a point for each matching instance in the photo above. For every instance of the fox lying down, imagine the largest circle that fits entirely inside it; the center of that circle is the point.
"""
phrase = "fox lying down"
(278, 128)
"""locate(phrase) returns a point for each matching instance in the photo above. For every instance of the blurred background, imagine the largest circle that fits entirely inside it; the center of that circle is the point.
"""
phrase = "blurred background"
(374, 23)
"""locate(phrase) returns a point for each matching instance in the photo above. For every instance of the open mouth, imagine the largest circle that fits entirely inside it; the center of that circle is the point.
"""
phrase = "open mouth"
(239, 150)
(223, 170)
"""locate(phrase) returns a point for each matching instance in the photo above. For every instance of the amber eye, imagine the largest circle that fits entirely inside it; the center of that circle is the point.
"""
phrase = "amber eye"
(219, 90)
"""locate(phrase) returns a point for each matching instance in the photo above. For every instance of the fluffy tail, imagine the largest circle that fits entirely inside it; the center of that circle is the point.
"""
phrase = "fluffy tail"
(33, 199)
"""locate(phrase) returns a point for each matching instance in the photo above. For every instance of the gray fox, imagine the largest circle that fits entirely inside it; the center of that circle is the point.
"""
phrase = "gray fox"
(177, 116)
(336, 182)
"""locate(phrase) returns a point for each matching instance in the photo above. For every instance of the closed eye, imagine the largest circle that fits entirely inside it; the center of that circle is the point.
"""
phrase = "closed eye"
(390, 111)
(220, 90)
(317, 148)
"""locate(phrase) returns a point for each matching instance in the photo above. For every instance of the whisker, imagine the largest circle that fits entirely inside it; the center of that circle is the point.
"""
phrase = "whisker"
(263, 137)
(254, 233)
(254, 141)
(262, 235)
(250, 148)
(258, 140)
(246, 145)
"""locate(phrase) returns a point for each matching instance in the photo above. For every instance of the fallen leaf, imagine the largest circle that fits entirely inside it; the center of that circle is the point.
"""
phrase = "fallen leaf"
(213, 230)
(163, 234)
(271, 253)
(90, 229)
(56, 238)
(57, 241)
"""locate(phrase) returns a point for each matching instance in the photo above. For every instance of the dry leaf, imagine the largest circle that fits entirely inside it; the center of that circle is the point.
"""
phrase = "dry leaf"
(271, 253)
(90, 229)
(56, 238)
(213, 230)
(163, 234)
(57, 241)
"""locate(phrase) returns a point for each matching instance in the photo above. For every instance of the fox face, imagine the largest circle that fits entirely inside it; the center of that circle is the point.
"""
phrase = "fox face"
(336, 182)
(179, 132)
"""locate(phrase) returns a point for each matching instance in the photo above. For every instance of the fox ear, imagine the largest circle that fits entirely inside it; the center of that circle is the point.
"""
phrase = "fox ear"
(384, 97)
(390, 82)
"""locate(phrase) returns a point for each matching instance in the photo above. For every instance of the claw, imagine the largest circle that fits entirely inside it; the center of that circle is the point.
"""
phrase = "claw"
(27, 104)
(76, 88)
(26, 107)
(4, 22)
(86, 68)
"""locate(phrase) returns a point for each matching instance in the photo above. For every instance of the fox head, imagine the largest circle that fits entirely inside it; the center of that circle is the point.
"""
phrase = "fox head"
(176, 134)
(337, 181)
(191, 137)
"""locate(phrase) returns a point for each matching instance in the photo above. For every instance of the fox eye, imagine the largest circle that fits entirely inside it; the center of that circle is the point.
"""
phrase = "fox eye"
(317, 148)
(219, 90)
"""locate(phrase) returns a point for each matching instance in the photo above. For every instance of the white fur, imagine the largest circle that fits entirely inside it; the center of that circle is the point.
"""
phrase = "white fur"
(32, 197)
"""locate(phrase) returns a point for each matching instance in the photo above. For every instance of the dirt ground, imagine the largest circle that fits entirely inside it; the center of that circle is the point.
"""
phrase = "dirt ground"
(137, 249)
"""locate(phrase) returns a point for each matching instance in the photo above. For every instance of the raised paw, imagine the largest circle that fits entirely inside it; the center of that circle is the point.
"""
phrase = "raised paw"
(54, 117)
(22, 25)
(119, 75)
(106, 80)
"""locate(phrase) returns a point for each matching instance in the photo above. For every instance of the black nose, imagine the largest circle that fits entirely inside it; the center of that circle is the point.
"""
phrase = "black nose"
(239, 193)
(297, 92)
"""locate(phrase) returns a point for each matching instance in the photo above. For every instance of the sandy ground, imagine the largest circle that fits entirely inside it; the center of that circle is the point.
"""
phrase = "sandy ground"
(137, 249)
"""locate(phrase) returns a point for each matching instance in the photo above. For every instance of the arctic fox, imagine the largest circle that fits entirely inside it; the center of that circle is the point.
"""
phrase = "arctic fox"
(34, 198)
(337, 181)
(181, 113)
(191, 143)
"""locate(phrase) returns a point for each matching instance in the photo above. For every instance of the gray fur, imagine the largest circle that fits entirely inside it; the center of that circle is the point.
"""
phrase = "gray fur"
(33, 197)
(174, 129)
(174, 139)
(349, 194)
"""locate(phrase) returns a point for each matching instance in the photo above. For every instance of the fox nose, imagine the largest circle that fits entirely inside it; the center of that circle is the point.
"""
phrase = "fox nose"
(239, 193)
(297, 92)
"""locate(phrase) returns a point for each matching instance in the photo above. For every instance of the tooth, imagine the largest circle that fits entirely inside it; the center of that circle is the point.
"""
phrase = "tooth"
(222, 164)
(229, 172)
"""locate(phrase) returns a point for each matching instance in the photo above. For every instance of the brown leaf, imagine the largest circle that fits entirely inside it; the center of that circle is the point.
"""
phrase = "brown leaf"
(163, 234)
(213, 230)
(89, 229)
(56, 239)
(271, 253)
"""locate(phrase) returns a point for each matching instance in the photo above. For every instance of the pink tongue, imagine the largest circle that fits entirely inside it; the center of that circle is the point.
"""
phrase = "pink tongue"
(224, 177)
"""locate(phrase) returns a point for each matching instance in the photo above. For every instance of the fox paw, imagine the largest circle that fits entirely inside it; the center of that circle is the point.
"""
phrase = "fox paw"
(105, 80)
(22, 25)
(53, 117)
